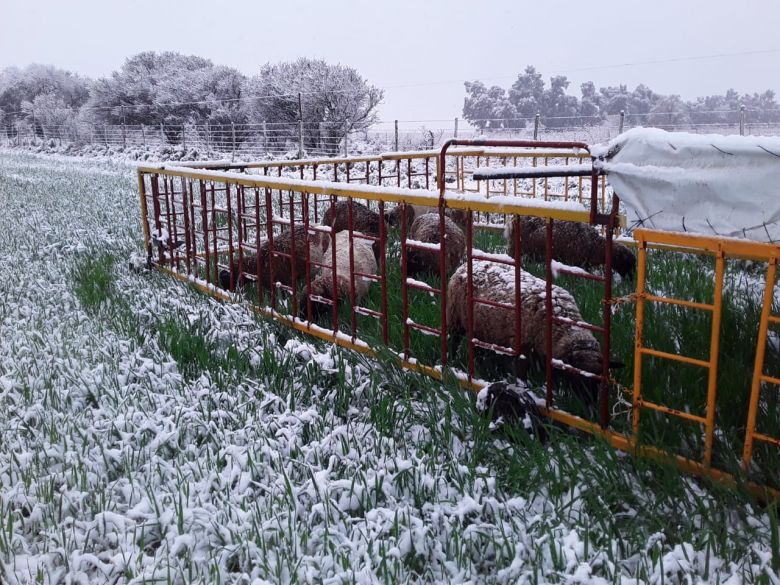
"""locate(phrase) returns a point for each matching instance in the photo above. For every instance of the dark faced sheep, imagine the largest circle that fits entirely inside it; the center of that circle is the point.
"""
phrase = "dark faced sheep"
(459, 216)
(364, 220)
(496, 282)
(574, 243)
(364, 261)
(282, 266)
(425, 229)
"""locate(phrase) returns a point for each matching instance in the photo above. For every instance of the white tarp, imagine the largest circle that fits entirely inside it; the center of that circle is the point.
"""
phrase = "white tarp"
(702, 183)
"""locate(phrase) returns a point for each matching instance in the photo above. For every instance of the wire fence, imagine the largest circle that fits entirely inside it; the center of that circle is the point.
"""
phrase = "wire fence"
(273, 140)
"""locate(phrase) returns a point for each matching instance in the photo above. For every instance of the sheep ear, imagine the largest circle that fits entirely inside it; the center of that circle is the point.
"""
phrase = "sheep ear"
(616, 365)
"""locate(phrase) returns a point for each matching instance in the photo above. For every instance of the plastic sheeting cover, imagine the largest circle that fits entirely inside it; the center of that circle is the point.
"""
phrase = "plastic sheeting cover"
(701, 183)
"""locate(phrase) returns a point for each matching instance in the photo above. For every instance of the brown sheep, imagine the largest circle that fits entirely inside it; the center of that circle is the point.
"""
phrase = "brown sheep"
(364, 220)
(318, 243)
(574, 243)
(496, 282)
(459, 216)
(426, 229)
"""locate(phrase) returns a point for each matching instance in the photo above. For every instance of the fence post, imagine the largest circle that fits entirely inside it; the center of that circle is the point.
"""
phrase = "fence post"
(742, 115)
(536, 125)
(143, 135)
(396, 136)
(300, 125)
(33, 127)
(208, 138)
(622, 120)
(105, 135)
(124, 130)
(162, 133)
(184, 136)
(233, 131)
(265, 137)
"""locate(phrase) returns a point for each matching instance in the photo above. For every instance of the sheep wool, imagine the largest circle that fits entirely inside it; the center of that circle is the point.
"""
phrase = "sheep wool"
(425, 229)
(496, 282)
(574, 243)
(317, 243)
(364, 220)
(364, 261)
(459, 216)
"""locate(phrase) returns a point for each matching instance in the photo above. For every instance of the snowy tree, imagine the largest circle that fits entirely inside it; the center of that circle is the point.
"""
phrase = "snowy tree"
(335, 99)
(489, 108)
(20, 87)
(670, 111)
(527, 93)
(590, 105)
(558, 108)
(49, 113)
(167, 88)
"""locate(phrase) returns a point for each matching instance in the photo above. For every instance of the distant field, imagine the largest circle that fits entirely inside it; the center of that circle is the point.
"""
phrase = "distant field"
(151, 434)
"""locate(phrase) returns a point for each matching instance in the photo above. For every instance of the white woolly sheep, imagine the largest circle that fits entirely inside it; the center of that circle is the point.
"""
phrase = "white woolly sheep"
(426, 229)
(364, 259)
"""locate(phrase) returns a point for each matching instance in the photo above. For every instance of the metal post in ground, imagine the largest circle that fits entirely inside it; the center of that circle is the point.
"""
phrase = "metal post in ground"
(233, 130)
(536, 126)
(300, 125)
(105, 135)
(33, 126)
(742, 116)
(162, 133)
(124, 130)
(396, 136)
(184, 137)
(456, 128)
(622, 120)
(208, 138)
(143, 135)
(265, 137)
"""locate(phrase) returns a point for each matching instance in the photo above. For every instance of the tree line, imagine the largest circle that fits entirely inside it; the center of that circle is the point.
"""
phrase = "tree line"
(170, 90)
(497, 108)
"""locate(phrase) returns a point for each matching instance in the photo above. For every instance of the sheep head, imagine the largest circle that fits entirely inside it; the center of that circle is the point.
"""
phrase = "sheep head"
(623, 261)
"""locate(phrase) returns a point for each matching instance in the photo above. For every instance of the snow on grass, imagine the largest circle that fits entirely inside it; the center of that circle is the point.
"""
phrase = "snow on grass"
(151, 434)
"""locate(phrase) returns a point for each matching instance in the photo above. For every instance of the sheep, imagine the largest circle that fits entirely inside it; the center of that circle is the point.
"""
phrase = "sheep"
(459, 216)
(496, 282)
(364, 260)
(364, 220)
(426, 229)
(574, 243)
(282, 266)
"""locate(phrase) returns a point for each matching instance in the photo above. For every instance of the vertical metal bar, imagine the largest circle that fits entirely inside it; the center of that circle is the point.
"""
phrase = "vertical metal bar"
(758, 366)
(214, 230)
(470, 292)
(548, 312)
(566, 182)
(170, 211)
(347, 165)
(269, 214)
(398, 171)
(606, 341)
(427, 171)
(228, 205)
(293, 256)
(593, 194)
(193, 234)
(258, 282)
(383, 270)
(712, 379)
(409, 173)
(379, 166)
(640, 319)
(305, 203)
(186, 214)
(333, 268)
(240, 227)
(144, 209)
(404, 287)
(205, 225)
(316, 201)
(352, 297)
(517, 245)
(157, 211)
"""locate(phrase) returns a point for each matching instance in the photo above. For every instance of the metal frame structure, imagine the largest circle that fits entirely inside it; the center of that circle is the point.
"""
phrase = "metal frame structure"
(200, 221)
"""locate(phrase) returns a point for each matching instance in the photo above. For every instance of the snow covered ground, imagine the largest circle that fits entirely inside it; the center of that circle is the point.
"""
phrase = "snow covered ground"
(151, 434)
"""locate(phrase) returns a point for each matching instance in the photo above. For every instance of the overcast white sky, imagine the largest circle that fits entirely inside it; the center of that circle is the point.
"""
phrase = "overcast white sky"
(419, 51)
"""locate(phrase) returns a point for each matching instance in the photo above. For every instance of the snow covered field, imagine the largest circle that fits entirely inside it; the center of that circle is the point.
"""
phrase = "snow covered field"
(151, 434)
